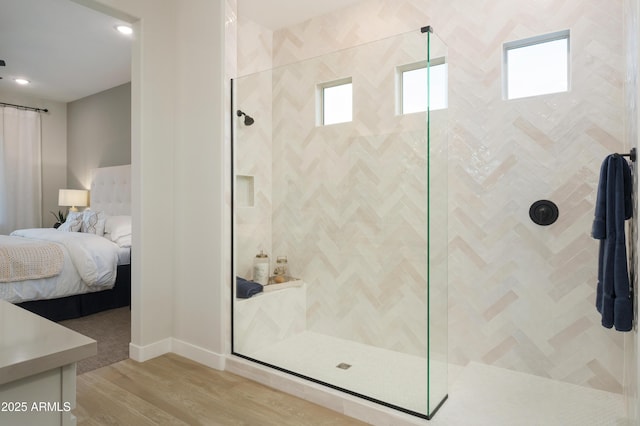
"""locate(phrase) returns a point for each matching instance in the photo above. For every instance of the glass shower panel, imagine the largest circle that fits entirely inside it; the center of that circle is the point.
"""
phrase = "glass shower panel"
(347, 204)
(437, 213)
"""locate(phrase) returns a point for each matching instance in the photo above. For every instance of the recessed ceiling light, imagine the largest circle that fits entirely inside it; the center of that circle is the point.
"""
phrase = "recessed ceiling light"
(22, 81)
(124, 29)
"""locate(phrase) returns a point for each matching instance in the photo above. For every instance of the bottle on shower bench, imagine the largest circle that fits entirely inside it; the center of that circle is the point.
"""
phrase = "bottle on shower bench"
(261, 268)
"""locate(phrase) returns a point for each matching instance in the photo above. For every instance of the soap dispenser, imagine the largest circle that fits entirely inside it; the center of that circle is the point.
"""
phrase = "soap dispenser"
(261, 268)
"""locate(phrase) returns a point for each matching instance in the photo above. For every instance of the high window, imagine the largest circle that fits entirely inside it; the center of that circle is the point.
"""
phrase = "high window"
(536, 66)
(413, 87)
(336, 102)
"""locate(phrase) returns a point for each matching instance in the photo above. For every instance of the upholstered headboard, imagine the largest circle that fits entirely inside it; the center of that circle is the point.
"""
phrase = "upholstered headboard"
(111, 190)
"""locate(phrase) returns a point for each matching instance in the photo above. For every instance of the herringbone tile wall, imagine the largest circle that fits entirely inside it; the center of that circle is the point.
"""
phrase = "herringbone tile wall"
(346, 203)
(520, 296)
(253, 152)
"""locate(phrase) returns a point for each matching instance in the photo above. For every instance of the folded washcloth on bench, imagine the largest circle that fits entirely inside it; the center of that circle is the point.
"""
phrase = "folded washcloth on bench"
(246, 288)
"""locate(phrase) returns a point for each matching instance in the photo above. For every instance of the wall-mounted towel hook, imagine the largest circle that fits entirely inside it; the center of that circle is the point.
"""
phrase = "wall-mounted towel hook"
(631, 155)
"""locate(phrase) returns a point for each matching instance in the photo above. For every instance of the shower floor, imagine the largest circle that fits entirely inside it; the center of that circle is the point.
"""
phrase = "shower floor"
(481, 394)
(478, 394)
(385, 375)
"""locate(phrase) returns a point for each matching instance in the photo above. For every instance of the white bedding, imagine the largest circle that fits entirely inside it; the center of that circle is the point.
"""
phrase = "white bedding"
(90, 265)
(124, 255)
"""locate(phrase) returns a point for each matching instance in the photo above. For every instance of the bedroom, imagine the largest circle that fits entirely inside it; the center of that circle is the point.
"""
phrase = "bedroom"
(88, 120)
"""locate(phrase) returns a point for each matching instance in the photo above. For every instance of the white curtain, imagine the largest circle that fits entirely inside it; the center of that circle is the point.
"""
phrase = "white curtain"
(20, 170)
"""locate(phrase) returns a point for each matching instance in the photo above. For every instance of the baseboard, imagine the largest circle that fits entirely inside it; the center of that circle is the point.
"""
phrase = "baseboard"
(179, 347)
(198, 354)
(147, 352)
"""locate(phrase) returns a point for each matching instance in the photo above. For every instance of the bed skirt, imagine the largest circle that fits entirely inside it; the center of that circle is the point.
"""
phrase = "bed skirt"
(85, 304)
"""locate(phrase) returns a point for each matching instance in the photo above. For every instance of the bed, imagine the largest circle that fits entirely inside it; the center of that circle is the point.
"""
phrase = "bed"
(78, 290)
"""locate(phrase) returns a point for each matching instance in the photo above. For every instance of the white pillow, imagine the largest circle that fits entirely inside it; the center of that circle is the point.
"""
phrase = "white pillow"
(73, 223)
(118, 230)
(93, 222)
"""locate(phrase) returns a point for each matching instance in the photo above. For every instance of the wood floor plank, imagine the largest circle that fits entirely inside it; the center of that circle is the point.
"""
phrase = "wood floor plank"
(97, 395)
(172, 390)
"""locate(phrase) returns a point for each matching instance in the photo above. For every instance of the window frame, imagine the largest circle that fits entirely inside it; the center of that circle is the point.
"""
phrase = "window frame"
(320, 97)
(534, 41)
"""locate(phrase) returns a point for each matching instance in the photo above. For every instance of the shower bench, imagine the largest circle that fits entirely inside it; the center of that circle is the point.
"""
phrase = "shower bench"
(269, 317)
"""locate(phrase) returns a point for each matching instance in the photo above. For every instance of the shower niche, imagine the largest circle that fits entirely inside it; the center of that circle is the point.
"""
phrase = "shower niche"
(245, 193)
(359, 208)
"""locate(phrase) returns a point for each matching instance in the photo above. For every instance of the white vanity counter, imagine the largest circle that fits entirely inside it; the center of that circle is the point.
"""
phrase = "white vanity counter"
(38, 368)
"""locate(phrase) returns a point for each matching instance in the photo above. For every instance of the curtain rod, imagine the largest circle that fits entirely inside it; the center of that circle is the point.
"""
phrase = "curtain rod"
(25, 107)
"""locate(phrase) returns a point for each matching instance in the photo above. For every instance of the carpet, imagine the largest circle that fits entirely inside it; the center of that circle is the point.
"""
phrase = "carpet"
(111, 329)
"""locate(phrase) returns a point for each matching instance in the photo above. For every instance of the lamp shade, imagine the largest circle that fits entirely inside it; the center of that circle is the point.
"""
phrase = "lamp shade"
(73, 197)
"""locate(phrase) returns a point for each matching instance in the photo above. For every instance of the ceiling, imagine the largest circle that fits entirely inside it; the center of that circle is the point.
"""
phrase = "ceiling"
(69, 51)
(66, 50)
(275, 14)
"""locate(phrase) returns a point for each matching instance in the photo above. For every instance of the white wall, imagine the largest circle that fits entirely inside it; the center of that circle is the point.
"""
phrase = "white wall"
(632, 118)
(199, 181)
(177, 128)
(632, 343)
(99, 133)
(54, 149)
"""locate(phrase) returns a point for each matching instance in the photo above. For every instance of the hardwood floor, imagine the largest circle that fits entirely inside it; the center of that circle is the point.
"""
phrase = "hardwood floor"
(172, 390)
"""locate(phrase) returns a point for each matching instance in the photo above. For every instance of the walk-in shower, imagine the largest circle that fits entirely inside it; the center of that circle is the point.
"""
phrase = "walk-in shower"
(344, 174)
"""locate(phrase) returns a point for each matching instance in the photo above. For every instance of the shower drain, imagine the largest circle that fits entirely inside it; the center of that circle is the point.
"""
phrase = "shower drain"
(344, 366)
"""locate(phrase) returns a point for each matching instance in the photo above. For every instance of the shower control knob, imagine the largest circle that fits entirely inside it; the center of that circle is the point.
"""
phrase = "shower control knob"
(543, 212)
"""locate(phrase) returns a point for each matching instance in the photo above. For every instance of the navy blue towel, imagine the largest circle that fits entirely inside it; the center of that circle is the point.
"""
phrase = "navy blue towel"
(613, 207)
(245, 288)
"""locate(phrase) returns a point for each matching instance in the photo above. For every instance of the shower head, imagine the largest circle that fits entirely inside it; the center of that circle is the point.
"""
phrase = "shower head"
(248, 121)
